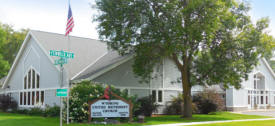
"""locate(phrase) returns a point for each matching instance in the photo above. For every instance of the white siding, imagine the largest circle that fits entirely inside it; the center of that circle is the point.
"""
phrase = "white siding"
(33, 56)
(171, 75)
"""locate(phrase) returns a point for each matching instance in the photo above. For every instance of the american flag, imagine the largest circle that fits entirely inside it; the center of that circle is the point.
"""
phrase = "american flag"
(70, 22)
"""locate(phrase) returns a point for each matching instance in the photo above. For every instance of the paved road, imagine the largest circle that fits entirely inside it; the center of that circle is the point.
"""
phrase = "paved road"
(263, 113)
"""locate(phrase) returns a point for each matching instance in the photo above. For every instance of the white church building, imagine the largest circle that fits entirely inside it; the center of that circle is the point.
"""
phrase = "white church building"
(33, 78)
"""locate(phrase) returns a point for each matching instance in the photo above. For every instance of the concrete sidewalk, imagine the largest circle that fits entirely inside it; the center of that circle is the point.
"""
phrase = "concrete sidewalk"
(259, 112)
(210, 122)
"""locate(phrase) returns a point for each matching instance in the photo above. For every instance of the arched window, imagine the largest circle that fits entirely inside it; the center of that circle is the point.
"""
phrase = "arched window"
(32, 95)
(259, 81)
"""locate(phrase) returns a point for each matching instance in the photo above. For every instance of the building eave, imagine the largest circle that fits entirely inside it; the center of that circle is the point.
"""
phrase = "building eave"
(105, 70)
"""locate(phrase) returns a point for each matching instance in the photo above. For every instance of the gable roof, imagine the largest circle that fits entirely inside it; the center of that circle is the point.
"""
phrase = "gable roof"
(85, 50)
(268, 67)
(109, 61)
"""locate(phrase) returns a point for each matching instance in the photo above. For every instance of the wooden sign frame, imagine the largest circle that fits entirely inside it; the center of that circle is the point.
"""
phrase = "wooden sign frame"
(119, 98)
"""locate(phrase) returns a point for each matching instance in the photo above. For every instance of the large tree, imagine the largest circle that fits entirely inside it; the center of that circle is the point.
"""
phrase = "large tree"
(10, 42)
(4, 65)
(210, 41)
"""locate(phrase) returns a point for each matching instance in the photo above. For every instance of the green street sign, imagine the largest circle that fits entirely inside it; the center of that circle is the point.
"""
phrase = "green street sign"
(61, 53)
(61, 61)
(61, 92)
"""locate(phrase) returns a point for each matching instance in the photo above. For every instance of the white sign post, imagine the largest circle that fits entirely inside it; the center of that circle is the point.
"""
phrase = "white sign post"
(110, 108)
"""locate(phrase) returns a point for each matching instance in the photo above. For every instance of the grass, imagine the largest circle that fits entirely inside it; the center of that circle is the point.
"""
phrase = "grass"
(248, 123)
(202, 117)
(10, 119)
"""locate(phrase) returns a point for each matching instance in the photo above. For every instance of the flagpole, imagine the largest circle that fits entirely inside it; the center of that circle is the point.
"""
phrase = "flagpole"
(70, 25)
(69, 82)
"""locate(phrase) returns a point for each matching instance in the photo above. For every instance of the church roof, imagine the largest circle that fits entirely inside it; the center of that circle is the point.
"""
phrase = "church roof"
(109, 59)
(85, 50)
(90, 55)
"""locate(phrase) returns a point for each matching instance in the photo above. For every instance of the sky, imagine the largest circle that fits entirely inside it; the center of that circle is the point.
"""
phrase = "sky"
(51, 15)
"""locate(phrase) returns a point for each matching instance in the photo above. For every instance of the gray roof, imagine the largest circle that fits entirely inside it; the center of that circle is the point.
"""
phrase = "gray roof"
(86, 50)
(107, 60)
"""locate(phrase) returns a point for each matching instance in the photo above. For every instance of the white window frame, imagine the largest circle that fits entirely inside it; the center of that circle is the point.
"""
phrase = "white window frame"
(35, 89)
(157, 96)
(35, 105)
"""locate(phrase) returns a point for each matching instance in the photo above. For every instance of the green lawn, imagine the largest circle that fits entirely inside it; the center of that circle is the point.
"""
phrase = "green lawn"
(248, 123)
(10, 119)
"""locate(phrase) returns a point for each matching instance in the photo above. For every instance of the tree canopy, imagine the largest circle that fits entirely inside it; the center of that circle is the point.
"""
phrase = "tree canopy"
(210, 41)
(10, 42)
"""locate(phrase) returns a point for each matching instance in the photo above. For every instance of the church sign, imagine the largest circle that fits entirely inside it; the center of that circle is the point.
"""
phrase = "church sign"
(105, 107)
(110, 108)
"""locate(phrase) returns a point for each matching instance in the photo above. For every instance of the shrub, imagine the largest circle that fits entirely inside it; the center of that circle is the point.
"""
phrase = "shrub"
(147, 106)
(86, 91)
(35, 111)
(52, 111)
(208, 101)
(175, 106)
(22, 111)
(7, 103)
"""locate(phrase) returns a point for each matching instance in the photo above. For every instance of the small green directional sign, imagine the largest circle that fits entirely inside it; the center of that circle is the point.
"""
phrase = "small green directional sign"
(61, 61)
(61, 92)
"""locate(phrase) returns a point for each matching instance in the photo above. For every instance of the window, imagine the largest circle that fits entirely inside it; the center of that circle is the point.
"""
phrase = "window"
(257, 99)
(25, 98)
(262, 99)
(33, 79)
(25, 82)
(21, 98)
(274, 99)
(157, 96)
(29, 80)
(37, 81)
(31, 96)
(37, 98)
(266, 100)
(248, 99)
(42, 97)
(154, 95)
(255, 84)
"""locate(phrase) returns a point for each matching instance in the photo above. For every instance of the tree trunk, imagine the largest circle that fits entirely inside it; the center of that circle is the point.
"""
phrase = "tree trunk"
(184, 69)
(187, 99)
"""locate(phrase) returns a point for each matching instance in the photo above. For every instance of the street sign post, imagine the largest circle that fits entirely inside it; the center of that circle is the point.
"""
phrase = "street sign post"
(63, 59)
